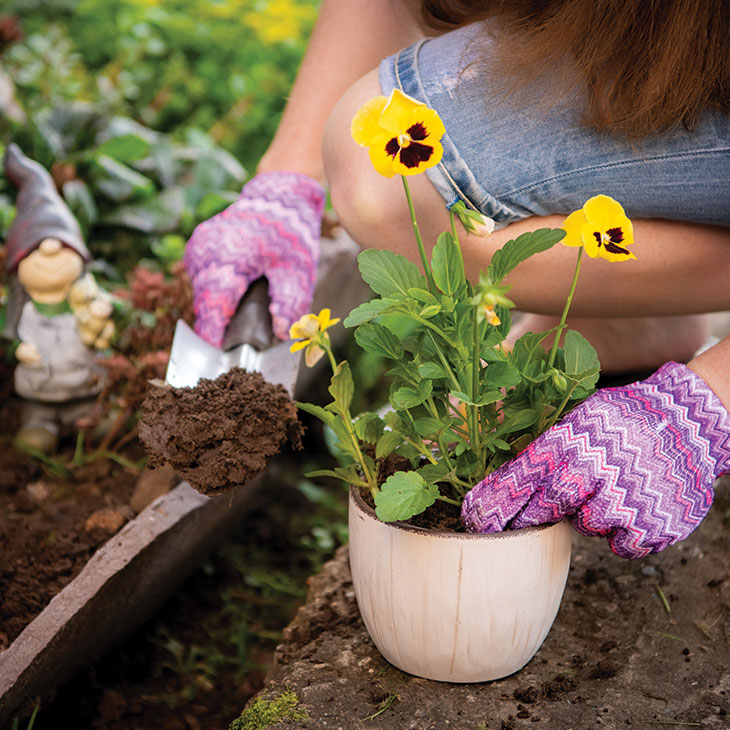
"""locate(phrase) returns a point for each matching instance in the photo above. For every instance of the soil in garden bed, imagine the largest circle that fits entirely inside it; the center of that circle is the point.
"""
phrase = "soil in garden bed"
(50, 523)
(196, 663)
(220, 433)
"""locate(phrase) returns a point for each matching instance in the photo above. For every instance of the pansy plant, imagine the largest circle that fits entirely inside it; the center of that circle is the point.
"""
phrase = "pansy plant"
(461, 402)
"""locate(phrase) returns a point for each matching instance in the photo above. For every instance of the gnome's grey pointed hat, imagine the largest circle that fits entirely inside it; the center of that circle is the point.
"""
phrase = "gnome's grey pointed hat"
(41, 211)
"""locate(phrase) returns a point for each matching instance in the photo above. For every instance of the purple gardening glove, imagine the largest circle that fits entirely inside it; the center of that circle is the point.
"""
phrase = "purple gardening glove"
(635, 464)
(272, 230)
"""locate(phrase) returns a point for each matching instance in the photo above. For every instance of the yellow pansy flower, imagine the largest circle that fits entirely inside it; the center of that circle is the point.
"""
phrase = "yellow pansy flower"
(309, 331)
(602, 228)
(402, 134)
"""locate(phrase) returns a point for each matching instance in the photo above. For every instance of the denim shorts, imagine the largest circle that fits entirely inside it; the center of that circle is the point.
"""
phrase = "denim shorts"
(511, 158)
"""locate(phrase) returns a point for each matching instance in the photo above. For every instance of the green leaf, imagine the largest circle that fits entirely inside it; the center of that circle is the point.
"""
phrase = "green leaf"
(160, 214)
(344, 442)
(466, 464)
(342, 388)
(580, 357)
(410, 397)
(388, 273)
(428, 426)
(369, 427)
(517, 421)
(367, 311)
(434, 473)
(323, 415)
(214, 202)
(516, 251)
(79, 198)
(403, 495)
(432, 370)
(118, 182)
(127, 148)
(528, 353)
(448, 270)
(502, 375)
(388, 443)
(430, 311)
(375, 338)
(348, 474)
(491, 396)
(423, 296)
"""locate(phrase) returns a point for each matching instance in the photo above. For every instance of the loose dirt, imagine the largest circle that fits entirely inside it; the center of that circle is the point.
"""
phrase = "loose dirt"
(220, 433)
(51, 525)
(636, 644)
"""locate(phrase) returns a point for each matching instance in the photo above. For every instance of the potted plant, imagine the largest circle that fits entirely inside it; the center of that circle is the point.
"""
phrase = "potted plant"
(449, 605)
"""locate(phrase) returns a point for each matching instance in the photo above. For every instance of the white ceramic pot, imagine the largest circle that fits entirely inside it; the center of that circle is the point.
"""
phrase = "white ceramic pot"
(456, 607)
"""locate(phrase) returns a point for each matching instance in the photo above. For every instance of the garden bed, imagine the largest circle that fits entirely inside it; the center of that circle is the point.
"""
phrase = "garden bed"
(52, 526)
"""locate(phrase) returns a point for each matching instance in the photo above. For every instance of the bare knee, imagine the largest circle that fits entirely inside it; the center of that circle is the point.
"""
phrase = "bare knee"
(367, 204)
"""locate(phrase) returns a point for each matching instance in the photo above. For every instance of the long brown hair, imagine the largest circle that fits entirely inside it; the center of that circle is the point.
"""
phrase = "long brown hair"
(648, 65)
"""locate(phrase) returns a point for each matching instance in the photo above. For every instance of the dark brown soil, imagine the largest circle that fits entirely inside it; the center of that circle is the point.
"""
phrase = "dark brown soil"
(50, 526)
(220, 433)
(636, 644)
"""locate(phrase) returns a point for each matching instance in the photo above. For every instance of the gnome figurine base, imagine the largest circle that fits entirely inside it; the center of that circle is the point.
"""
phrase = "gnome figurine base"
(53, 335)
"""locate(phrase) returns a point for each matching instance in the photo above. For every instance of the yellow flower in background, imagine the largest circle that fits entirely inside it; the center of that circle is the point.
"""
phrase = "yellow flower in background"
(402, 134)
(308, 330)
(602, 228)
(280, 21)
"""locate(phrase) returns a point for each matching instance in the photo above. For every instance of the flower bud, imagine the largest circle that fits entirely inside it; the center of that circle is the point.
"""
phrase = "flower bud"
(560, 382)
(474, 222)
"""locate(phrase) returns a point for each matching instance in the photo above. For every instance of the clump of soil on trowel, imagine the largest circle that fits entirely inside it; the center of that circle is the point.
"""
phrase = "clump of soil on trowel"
(220, 433)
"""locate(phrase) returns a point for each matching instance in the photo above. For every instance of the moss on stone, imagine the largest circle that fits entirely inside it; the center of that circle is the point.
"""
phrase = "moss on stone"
(264, 713)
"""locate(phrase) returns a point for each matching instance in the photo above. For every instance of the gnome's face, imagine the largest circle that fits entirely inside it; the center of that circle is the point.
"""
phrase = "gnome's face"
(48, 272)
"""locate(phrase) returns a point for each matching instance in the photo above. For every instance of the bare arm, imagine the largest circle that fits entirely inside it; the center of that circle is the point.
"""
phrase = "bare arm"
(349, 39)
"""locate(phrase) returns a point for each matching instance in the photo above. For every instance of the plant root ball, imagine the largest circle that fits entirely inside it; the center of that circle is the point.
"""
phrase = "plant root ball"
(218, 434)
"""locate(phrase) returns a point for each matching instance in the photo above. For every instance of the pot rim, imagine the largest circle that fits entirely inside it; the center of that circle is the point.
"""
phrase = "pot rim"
(356, 496)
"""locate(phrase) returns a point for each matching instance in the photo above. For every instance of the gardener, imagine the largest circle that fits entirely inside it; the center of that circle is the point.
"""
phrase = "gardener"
(56, 373)
(545, 105)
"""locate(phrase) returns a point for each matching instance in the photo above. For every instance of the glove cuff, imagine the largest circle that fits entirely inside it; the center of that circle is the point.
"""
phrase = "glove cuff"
(302, 196)
(696, 407)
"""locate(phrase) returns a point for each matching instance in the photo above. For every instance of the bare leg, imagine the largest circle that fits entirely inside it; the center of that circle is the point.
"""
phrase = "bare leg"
(631, 344)
(681, 268)
(349, 38)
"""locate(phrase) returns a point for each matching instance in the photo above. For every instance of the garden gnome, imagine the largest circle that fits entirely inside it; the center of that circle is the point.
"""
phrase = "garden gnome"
(53, 313)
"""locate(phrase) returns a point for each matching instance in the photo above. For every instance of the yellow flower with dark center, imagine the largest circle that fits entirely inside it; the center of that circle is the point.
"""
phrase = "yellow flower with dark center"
(602, 228)
(309, 330)
(402, 134)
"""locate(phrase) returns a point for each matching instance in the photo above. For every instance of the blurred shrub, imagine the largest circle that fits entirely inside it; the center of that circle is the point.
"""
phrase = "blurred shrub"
(223, 66)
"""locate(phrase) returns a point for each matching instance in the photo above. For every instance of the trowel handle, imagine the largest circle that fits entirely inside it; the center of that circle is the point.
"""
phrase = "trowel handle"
(251, 324)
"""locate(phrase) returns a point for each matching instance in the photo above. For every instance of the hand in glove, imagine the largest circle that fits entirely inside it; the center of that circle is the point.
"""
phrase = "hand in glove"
(635, 464)
(272, 230)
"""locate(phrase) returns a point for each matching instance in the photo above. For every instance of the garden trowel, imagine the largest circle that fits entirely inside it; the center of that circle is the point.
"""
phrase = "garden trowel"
(249, 343)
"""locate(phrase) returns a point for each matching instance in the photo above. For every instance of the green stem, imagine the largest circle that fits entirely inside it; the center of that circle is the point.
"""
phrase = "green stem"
(474, 410)
(369, 478)
(419, 445)
(458, 245)
(554, 351)
(558, 412)
(444, 362)
(426, 323)
(419, 240)
(333, 363)
(449, 500)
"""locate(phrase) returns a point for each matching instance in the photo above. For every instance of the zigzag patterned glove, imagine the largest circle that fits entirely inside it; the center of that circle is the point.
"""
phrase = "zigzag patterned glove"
(272, 230)
(635, 464)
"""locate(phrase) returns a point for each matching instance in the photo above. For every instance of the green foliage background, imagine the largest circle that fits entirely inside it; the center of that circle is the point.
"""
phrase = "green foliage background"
(220, 66)
(151, 113)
